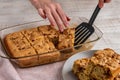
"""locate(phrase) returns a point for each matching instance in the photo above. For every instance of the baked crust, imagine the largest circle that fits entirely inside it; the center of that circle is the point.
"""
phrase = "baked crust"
(109, 59)
(18, 46)
(66, 40)
(50, 32)
(117, 77)
(41, 41)
(42, 45)
(103, 65)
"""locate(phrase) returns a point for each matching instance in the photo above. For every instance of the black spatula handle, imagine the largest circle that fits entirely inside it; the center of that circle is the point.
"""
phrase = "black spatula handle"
(94, 15)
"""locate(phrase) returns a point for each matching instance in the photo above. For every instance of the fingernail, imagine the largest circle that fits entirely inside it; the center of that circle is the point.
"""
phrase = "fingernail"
(101, 5)
(61, 30)
(45, 17)
(52, 24)
(68, 19)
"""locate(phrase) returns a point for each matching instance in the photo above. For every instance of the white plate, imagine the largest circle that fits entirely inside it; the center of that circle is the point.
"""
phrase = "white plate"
(67, 68)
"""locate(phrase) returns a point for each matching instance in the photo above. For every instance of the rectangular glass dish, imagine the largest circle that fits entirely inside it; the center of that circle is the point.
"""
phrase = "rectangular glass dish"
(40, 59)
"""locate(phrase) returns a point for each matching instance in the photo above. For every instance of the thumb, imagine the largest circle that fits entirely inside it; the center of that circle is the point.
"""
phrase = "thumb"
(101, 3)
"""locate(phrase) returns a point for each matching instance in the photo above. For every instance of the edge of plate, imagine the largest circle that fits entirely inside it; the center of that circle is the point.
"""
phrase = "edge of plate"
(87, 51)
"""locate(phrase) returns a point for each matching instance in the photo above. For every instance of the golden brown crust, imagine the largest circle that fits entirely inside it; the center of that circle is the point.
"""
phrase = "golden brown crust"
(103, 65)
(63, 40)
(33, 35)
(50, 32)
(82, 68)
(38, 41)
(18, 46)
(66, 40)
(109, 59)
(117, 77)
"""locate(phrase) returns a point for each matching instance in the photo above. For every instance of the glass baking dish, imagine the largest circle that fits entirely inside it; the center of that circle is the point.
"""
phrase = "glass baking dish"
(40, 59)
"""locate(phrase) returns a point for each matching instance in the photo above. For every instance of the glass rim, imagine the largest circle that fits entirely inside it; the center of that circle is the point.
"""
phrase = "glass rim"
(9, 57)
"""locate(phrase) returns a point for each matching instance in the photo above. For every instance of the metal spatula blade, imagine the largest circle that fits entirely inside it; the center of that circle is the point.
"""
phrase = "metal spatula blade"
(85, 30)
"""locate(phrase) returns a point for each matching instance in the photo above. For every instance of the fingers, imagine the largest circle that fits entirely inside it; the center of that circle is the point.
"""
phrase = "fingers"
(35, 3)
(107, 1)
(59, 16)
(58, 21)
(50, 17)
(68, 19)
(41, 13)
(55, 17)
(38, 7)
(53, 12)
(101, 3)
(62, 15)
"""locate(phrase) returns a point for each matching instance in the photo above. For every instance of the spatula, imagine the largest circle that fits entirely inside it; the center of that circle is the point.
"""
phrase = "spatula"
(85, 30)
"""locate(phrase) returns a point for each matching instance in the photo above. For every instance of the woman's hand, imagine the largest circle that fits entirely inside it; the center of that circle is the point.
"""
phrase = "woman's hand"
(52, 11)
(101, 2)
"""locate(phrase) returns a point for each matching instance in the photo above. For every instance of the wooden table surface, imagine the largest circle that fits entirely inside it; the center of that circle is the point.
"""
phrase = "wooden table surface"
(14, 12)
